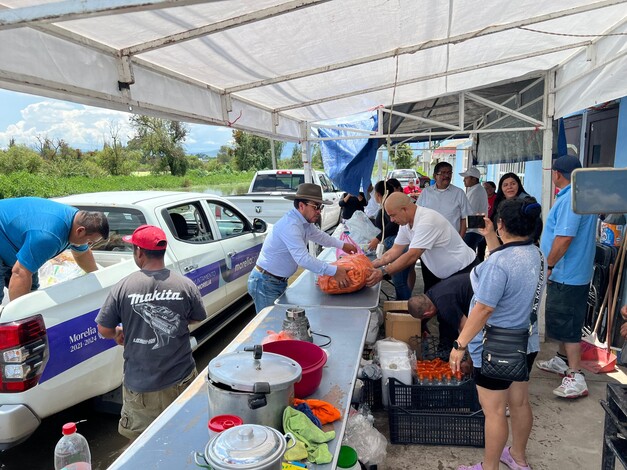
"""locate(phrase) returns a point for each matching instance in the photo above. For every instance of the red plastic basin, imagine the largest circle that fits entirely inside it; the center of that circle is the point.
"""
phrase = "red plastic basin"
(311, 358)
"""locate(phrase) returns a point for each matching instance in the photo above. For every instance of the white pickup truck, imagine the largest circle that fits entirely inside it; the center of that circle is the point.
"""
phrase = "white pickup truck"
(265, 196)
(51, 356)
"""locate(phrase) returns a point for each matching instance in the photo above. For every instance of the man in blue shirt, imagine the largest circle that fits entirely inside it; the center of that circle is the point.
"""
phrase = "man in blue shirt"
(34, 230)
(285, 248)
(568, 242)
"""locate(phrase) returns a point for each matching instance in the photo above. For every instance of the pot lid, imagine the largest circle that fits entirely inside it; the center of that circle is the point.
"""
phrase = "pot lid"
(249, 446)
(241, 370)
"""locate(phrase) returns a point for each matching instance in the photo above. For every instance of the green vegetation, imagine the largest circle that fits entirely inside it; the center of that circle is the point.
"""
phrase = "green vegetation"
(27, 184)
(152, 159)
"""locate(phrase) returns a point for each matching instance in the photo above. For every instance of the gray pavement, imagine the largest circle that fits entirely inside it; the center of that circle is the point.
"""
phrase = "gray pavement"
(567, 434)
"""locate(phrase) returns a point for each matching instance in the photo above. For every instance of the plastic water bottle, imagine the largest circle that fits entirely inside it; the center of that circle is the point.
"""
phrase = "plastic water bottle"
(72, 450)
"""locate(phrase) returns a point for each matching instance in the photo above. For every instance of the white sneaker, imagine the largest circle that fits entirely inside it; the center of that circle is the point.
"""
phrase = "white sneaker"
(556, 364)
(573, 386)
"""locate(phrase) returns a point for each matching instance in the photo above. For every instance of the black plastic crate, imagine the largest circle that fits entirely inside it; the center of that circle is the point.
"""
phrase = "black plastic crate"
(372, 394)
(435, 415)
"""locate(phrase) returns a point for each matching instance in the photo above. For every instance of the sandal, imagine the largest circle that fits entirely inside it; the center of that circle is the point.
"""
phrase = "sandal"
(477, 466)
(507, 459)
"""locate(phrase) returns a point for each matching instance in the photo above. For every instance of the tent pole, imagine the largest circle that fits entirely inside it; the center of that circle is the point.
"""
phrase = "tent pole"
(547, 161)
(273, 154)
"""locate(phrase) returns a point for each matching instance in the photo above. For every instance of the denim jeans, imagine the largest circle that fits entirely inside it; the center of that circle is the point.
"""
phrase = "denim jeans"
(399, 279)
(264, 289)
(5, 275)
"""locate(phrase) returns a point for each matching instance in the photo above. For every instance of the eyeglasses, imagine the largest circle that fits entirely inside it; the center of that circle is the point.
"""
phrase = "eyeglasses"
(444, 173)
(317, 207)
(93, 242)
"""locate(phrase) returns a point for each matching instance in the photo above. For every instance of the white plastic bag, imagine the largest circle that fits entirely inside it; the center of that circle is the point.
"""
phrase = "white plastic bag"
(362, 230)
(59, 269)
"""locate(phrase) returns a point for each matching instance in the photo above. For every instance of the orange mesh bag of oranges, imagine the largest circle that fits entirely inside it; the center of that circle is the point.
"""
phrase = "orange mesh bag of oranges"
(359, 267)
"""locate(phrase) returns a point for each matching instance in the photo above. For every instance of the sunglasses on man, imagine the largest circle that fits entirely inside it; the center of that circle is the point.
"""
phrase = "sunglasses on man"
(317, 207)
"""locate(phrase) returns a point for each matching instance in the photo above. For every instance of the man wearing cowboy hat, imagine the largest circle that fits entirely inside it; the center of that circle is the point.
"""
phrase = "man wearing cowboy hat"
(285, 248)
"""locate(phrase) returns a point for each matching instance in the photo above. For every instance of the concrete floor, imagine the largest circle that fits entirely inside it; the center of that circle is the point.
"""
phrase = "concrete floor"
(567, 434)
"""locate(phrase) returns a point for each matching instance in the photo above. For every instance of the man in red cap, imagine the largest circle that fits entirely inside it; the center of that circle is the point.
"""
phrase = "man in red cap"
(148, 313)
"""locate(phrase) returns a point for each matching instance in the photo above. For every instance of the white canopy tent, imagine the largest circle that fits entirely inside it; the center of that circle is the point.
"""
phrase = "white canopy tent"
(274, 67)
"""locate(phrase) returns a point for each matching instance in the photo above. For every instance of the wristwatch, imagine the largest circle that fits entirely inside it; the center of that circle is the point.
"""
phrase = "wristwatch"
(549, 268)
(383, 271)
(458, 347)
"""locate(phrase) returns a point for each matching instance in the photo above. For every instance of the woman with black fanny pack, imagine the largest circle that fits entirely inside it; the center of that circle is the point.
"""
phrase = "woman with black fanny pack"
(507, 287)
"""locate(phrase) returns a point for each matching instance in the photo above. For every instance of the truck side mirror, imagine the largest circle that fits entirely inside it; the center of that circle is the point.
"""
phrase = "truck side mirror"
(259, 225)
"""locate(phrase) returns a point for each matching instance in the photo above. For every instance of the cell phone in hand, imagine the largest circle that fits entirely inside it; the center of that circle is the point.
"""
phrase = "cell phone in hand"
(475, 221)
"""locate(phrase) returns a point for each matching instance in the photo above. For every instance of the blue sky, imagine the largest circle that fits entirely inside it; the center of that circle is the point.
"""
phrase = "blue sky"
(24, 117)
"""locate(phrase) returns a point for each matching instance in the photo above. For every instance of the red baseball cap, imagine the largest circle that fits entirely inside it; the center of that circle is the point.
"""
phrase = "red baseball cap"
(148, 237)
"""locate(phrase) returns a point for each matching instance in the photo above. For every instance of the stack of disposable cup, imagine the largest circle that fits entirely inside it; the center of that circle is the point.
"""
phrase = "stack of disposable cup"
(395, 362)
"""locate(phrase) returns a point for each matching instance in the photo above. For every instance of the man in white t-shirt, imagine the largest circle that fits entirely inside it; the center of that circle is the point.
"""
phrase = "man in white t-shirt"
(428, 236)
(447, 199)
(478, 198)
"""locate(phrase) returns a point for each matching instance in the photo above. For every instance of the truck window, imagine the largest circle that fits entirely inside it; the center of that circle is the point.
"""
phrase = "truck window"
(189, 223)
(230, 222)
(280, 181)
(122, 221)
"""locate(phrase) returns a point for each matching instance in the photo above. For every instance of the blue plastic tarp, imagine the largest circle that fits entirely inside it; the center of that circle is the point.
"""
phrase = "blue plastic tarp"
(349, 162)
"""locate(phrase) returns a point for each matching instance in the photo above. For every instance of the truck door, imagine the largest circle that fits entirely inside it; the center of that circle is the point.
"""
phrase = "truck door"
(240, 244)
(330, 214)
(198, 251)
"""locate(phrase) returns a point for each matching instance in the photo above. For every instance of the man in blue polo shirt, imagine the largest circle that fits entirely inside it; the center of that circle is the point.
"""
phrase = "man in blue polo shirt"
(34, 230)
(568, 242)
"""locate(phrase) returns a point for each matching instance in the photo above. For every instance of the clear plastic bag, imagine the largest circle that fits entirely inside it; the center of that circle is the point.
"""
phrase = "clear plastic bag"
(368, 442)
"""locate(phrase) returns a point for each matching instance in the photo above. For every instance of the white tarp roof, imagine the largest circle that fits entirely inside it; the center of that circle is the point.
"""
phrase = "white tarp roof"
(271, 67)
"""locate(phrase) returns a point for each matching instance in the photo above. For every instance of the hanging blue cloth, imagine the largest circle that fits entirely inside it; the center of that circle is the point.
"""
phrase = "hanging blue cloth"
(349, 162)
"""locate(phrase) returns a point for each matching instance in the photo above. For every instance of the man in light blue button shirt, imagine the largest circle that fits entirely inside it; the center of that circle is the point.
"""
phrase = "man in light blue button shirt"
(285, 248)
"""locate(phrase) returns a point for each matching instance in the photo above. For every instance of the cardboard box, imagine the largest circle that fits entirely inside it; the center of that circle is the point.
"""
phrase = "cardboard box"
(399, 324)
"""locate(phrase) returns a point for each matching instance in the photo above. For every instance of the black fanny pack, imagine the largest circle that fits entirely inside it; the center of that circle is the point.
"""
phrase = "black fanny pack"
(504, 353)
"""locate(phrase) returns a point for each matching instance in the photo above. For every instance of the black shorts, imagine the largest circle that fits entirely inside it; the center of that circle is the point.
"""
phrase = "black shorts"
(498, 384)
(565, 311)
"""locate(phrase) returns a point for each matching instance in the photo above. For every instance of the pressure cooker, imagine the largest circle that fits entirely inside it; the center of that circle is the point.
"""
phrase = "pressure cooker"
(253, 385)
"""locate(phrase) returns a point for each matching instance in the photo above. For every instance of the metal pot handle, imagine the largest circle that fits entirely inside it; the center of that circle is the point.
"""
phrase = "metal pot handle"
(258, 398)
(288, 436)
(205, 464)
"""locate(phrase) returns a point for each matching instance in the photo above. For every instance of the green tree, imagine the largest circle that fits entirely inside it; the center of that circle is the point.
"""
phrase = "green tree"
(161, 141)
(316, 157)
(19, 158)
(252, 152)
(403, 156)
(295, 160)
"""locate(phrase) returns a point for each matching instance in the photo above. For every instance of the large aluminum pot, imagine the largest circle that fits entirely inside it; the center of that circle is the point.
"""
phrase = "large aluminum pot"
(246, 447)
(255, 386)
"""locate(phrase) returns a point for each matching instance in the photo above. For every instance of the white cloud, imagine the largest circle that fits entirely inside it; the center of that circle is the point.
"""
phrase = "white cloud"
(88, 128)
(80, 126)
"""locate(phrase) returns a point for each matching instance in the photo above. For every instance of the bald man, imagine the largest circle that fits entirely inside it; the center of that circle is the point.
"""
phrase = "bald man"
(428, 236)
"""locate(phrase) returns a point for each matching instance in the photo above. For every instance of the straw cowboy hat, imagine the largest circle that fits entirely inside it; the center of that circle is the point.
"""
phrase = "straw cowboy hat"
(309, 192)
